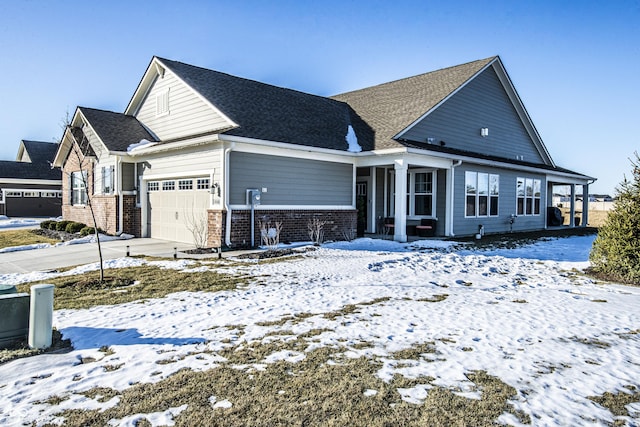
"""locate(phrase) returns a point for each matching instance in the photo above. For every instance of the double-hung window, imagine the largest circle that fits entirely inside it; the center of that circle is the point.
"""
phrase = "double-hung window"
(482, 194)
(79, 188)
(420, 193)
(528, 192)
(107, 179)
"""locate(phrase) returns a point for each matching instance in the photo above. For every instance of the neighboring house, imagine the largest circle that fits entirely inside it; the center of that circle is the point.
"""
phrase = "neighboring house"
(30, 186)
(193, 141)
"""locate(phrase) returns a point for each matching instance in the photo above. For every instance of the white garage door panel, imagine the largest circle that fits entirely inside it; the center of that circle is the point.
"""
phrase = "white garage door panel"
(173, 214)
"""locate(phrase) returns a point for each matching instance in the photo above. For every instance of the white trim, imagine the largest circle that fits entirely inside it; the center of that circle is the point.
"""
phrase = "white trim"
(176, 175)
(445, 99)
(30, 181)
(293, 207)
(285, 149)
(168, 146)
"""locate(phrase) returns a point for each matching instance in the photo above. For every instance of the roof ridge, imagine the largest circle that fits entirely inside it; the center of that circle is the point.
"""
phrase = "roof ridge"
(487, 60)
(246, 79)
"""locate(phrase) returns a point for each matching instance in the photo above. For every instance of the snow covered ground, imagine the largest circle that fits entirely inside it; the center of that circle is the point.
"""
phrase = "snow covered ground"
(526, 316)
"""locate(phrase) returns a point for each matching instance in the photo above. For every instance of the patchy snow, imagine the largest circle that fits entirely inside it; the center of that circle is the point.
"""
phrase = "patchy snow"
(352, 141)
(6, 222)
(140, 145)
(524, 315)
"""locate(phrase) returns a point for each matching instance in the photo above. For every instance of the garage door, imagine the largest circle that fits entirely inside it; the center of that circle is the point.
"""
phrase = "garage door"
(178, 209)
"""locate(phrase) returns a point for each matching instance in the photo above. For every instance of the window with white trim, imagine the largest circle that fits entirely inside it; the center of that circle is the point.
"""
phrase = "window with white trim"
(49, 194)
(528, 193)
(153, 186)
(14, 193)
(420, 193)
(107, 176)
(31, 194)
(185, 184)
(162, 103)
(202, 184)
(79, 188)
(168, 185)
(482, 194)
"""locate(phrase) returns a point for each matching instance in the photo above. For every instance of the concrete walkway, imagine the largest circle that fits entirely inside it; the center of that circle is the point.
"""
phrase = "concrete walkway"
(66, 256)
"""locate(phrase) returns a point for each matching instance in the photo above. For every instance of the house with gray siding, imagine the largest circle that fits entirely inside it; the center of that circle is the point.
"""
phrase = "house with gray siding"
(29, 185)
(451, 152)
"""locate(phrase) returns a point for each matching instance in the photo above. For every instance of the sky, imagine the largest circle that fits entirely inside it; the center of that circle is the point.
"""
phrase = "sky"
(574, 64)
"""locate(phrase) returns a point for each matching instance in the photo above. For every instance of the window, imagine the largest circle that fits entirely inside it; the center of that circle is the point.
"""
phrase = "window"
(162, 103)
(153, 186)
(168, 185)
(423, 194)
(14, 193)
(49, 194)
(528, 193)
(107, 179)
(79, 188)
(31, 194)
(482, 194)
(185, 184)
(202, 184)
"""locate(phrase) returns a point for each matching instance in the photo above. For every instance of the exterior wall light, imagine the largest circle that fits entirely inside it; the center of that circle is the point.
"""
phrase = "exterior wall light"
(484, 132)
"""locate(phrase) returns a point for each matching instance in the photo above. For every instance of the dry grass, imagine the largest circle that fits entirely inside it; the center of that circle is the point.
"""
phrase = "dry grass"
(22, 238)
(617, 402)
(322, 390)
(596, 219)
(131, 284)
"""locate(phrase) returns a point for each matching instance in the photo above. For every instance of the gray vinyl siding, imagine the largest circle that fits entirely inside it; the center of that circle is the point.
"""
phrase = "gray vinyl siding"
(290, 181)
(188, 113)
(441, 201)
(507, 203)
(481, 103)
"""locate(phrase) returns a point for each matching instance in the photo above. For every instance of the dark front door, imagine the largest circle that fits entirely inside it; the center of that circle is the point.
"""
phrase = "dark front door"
(361, 205)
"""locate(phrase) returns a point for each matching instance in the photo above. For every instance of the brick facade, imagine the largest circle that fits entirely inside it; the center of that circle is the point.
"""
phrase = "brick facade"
(105, 207)
(339, 223)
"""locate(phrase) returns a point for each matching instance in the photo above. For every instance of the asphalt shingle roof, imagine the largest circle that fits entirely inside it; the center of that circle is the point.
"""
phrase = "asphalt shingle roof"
(391, 107)
(41, 155)
(273, 113)
(116, 130)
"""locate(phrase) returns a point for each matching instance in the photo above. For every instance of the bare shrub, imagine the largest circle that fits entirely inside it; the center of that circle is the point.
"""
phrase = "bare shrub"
(197, 224)
(349, 233)
(315, 228)
(270, 234)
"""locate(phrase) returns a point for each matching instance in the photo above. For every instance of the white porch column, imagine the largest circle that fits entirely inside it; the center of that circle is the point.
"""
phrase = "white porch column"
(400, 219)
(572, 211)
(585, 205)
(372, 189)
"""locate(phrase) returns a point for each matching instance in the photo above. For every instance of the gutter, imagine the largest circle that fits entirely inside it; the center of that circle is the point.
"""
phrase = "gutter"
(120, 201)
(226, 206)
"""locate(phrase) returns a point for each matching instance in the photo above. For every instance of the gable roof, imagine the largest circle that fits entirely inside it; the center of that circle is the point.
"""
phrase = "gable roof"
(392, 107)
(41, 155)
(117, 131)
(261, 111)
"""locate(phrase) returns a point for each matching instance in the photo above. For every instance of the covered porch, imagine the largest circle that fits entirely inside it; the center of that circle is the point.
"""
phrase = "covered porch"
(405, 197)
(563, 192)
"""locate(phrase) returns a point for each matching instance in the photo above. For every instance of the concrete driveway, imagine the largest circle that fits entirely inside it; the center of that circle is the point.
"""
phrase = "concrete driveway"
(66, 256)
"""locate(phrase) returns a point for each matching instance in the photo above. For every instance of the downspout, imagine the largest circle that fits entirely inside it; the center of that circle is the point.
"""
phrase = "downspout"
(120, 201)
(452, 197)
(225, 190)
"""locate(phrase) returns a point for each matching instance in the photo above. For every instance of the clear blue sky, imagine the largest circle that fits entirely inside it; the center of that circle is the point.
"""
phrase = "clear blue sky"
(575, 64)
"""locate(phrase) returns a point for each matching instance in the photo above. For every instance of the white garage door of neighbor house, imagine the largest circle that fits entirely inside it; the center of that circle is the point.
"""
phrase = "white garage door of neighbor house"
(178, 208)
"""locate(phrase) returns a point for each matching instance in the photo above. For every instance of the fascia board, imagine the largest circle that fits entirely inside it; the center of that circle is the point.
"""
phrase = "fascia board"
(445, 99)
(87, 123)
(26, 181)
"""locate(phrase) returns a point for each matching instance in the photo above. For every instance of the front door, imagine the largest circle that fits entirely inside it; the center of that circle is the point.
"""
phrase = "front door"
(361, 205)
